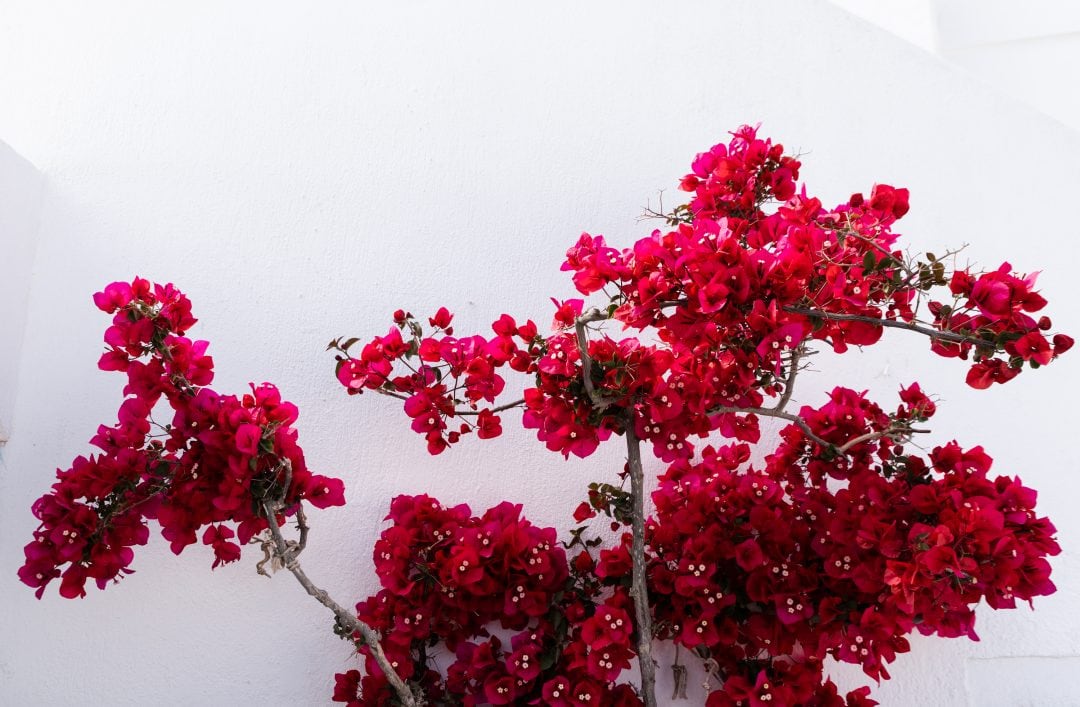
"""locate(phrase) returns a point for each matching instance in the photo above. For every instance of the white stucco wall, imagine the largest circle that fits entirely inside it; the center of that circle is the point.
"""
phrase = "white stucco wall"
(302, 172)
(913, 20)
(20, 195)
(1027, 50)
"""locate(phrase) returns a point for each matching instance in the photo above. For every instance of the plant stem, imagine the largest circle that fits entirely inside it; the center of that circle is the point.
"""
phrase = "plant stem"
(789, 382)
(772, 412)
(344, 616)
(943, 335)
(593, 315)
(639, 590)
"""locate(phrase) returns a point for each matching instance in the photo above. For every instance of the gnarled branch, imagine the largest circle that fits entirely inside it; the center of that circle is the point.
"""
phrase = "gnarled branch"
(593, 315)
(287, 553)
(639, 591)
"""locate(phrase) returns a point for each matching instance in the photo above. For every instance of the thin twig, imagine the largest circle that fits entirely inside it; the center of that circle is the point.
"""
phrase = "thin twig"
(789, 382)
(950, 336)
(302, 526)
(460, 413)
(712, 668)
(383, 391)
(895, 432)
(899, 431)
(500, 408)
(770, 412)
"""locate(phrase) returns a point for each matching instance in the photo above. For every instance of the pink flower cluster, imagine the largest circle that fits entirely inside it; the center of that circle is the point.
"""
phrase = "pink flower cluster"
(737, 177)
(733, 278)
(206, 470)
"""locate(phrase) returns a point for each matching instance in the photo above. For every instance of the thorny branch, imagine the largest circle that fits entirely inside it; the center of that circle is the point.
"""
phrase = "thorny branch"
(899, 430)
(771, 412)
(940, 334)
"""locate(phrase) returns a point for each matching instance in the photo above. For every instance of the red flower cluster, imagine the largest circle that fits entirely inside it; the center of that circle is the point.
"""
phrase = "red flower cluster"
(206, 469)
(771, 571)
(444, 373)
(841, 544)
(996, 305)
(739, 176)
(732, 278)
(451, 579)
(622, 373)
(734, 293)
(844, 542)
(763, 573)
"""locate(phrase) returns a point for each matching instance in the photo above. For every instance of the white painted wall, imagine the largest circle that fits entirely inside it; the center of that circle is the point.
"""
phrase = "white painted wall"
(20, 195)
(913, 20)
(1027, 50)
(301, 172)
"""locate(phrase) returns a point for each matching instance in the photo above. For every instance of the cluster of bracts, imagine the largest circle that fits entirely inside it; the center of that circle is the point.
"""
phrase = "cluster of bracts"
(844, 541)
(731, 291)
(209, 468)
(763, 574)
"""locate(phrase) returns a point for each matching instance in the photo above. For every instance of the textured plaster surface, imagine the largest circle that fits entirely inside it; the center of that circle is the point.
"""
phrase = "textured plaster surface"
(303, 171)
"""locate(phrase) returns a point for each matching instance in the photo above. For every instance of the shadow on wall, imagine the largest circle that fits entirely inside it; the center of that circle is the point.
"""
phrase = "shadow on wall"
(20, 201)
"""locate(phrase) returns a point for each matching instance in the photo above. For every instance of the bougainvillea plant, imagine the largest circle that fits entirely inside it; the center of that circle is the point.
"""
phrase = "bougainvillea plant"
(845, 540)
